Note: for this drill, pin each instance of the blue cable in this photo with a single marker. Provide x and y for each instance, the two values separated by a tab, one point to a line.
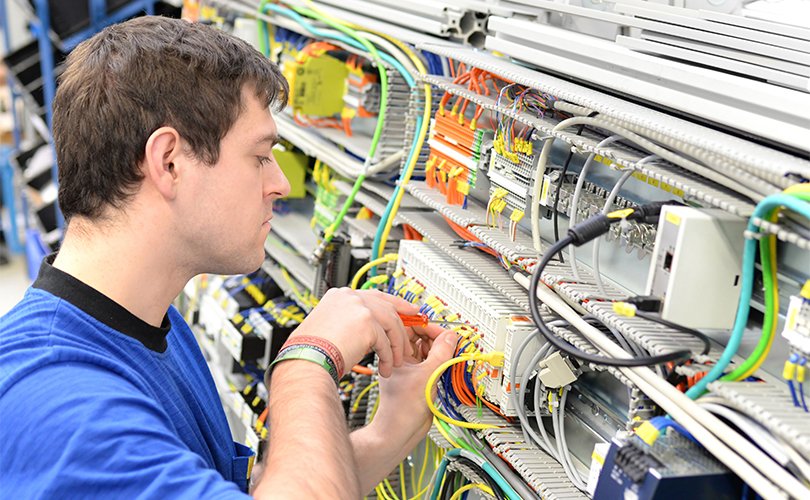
762	210
662	423
793	393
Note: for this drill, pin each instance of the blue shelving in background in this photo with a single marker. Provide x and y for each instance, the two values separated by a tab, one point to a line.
49	44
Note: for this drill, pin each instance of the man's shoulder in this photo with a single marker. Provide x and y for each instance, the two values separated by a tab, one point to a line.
42	330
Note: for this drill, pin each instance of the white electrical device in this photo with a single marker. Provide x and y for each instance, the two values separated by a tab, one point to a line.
695	266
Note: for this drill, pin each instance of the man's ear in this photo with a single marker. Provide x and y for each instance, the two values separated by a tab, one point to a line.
163	149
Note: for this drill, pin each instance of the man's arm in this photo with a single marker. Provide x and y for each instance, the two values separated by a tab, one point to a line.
309	452
403	418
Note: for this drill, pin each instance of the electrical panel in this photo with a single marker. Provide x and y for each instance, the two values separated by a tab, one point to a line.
697	250
480	138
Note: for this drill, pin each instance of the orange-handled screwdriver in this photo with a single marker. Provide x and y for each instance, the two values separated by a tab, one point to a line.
423	320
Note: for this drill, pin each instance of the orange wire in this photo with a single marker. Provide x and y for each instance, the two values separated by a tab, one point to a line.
362	370
466	235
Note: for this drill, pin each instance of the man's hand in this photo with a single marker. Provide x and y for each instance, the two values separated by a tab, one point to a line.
358	321
403	411
403	417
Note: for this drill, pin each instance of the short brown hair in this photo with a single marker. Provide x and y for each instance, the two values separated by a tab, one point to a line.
135	77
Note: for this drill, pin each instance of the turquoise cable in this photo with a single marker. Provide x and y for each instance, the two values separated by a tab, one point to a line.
375	247
329	232
393	62
488	468
406	75
749	256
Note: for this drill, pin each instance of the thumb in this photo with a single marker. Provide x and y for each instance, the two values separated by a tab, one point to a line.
442	349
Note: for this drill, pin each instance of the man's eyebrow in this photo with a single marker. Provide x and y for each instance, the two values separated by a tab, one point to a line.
269	138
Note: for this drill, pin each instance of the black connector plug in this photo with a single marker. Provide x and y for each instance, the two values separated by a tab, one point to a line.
650	212
646	303
590	229
597	225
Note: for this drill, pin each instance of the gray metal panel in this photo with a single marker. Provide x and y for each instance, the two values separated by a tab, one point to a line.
682	17
746	57
757	24
691	56
696	34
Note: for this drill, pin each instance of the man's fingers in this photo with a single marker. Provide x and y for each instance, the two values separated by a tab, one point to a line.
401	305
386	315
425	347
383	349
431	331
442	349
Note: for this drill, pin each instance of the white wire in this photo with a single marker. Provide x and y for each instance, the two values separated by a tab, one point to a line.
563	443
550	449
733	167
781	452
518	401
745	459
586	167
597	273
666	154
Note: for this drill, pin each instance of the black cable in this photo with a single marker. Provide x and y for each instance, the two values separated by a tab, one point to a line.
448	485
561	344
675	326
555	214
509	475
484	475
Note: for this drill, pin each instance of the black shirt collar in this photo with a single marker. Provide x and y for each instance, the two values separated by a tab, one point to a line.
100	307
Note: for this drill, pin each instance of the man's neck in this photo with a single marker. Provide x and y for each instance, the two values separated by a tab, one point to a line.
133	268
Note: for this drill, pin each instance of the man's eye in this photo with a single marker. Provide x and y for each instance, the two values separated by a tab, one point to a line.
264	160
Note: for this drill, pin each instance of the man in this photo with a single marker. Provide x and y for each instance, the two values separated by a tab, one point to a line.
164	141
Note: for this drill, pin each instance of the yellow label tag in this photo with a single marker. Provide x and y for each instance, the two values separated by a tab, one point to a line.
463	188
620	214
544	190
673	219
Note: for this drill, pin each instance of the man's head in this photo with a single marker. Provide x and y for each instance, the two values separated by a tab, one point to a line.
143	115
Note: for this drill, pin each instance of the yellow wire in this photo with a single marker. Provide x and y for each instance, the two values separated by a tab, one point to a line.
798	188
420	67
390	257
402	481
794	189
493	358
775	299
381	492
362	394
421	492
481	486
428	449
376	406
390	489
412	474
295	289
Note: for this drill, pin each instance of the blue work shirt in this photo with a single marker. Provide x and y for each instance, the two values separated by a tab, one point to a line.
94	402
